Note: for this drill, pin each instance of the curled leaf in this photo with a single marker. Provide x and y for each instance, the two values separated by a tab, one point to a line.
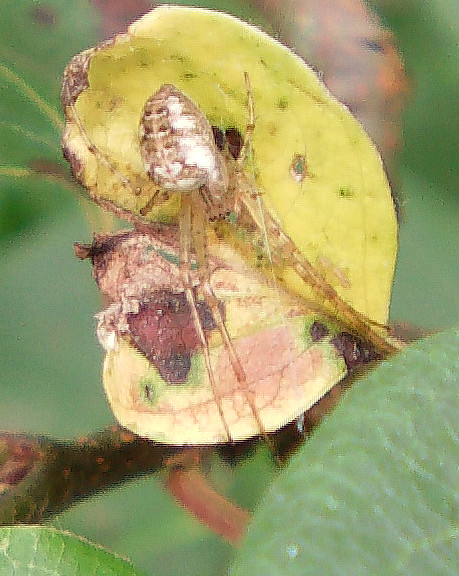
154	371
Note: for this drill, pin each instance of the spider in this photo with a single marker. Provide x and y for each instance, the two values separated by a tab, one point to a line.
180	153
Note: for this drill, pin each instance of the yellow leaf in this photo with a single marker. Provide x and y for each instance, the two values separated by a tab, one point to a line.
317	172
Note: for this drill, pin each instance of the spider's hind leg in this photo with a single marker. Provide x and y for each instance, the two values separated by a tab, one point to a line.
247	141
199	239
185	225
98	154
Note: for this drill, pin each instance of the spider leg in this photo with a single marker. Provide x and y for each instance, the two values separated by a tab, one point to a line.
247	142
199	223
325	291
248	195
101	157
242	185
151	203
185	227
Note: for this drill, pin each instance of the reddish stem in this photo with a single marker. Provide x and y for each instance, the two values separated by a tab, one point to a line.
193	492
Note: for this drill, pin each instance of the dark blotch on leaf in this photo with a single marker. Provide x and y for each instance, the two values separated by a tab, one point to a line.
345	192
353	350
175	368
164	331
298	168
234	141
282	103
219	137
177	57
231	138
318	331
44	15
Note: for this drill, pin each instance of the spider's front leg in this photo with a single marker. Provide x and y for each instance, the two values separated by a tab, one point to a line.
185	227
199	224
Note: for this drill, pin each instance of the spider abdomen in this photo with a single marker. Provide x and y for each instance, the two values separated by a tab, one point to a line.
178	147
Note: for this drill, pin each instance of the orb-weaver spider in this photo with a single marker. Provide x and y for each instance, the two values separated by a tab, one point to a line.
181	155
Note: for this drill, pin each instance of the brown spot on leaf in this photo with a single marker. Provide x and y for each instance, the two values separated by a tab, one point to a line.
354	351
318	331
234	141
298	168
219	137
346	192
164	331
45	15
282	103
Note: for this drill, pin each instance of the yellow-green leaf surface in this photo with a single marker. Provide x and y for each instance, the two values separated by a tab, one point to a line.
286	369
338	210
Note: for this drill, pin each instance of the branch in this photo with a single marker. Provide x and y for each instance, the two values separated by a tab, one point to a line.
40	477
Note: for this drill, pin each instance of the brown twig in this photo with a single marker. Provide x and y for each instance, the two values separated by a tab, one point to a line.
40	477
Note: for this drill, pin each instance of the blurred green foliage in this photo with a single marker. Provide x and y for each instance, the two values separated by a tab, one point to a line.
34	550
427	279
374	491
50	361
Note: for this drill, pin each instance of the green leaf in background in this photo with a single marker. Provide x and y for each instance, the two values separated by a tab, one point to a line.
49	356
375	491
42	551
35	43
427	274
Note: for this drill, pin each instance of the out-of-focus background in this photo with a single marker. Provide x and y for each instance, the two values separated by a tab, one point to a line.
49	359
